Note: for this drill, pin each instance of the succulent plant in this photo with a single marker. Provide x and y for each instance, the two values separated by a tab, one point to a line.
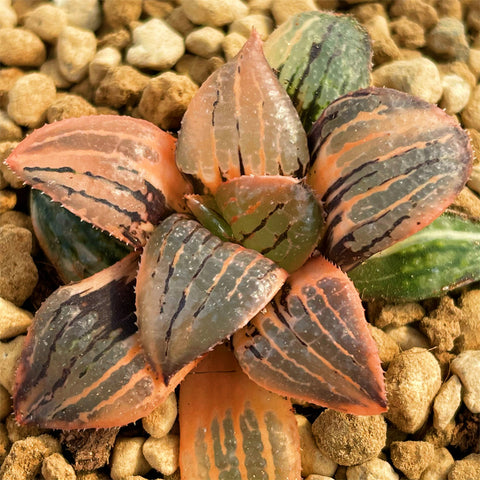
240	230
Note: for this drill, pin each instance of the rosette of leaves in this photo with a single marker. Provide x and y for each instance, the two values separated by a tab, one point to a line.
241	230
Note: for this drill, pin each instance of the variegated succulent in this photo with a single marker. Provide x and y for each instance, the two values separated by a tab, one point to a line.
242	230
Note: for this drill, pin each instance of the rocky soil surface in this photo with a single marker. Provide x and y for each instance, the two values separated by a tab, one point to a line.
67	58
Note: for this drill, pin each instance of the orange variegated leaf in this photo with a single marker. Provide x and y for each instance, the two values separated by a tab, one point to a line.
312	343
82	365
385	165
231	428
241	122
115	172
193	291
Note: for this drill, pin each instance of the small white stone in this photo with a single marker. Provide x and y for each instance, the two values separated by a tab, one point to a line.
147	37
8	17
214	13
205	42
47	21
127	458
105	59
76	48
162	453
467	367
373	469
447	402
13	320
456	93
82	13
261	23
407	337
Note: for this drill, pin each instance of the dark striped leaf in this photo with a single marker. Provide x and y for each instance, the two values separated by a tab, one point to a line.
115	172
241	122
319	57
232	429
75	248
82	365
312	343
277	216
385	165
193	291
439	258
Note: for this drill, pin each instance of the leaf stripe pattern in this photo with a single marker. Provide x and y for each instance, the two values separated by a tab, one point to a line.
241	122
312	343
118	173
241	432
385	165
193	291
83	367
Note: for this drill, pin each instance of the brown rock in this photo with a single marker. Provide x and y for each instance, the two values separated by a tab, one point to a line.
466	469
8	77
69	106
397	315
407	33
412	457
387	347
198	68
469	338
119	13
384	48
415	10
20	47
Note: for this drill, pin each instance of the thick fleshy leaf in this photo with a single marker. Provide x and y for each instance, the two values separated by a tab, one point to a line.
115	172
277	216
385	165
312	343
439	258
319	57
193	291
230	428
241	122
82	365
75	248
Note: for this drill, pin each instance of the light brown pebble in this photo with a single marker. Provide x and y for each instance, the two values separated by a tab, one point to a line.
313	461
25	458
85	14
411	457
76	48
205	41
119	13
105	60
232	44
8	200
314	476
384	48
4	443
407	33
47	21
166	98
118	39
263	25
413	379
282	10
407	337
471	113
162	453
157	8
387	346
160	421
55	467
447	40
349	439
399	314
13	320
52	69
416	10
440	465
365	11
466	469
440	438
5	403
144	53
376	468
214	13
127	458
456	93
17	431
69	106
469	338
21	48
467	367
259	6
8	77
85	89
11	178
473	16
474	61
198	68
123	85
9	130
9	355
29	99
450	8
179	21
457	68
8	17
95	475
447	402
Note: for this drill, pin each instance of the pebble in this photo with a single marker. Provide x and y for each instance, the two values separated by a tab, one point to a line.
13	320
261	6
232	44
447	40
474	62
123	85
407	337
52	69
47	21
160	421
144	53
120	13
8	17
127	458
104	60
261	23
313	461
18	273
29	99
4	443
407	33
450	8
118	39
416	10
467	367
157	8
447	402
68	106
413	379
456	93
21	48
166	98
179	21
471	113
76	48
397	315
365	11
8	200
458	68
384	48
466	469
55	467
21	432
282	10
440	465
198	68
8	77
469	338
81	13
205	42
5	406
374	469
349	439
7	175
9	355
9	130
162	453
214	13
387	346
318	477
411	457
